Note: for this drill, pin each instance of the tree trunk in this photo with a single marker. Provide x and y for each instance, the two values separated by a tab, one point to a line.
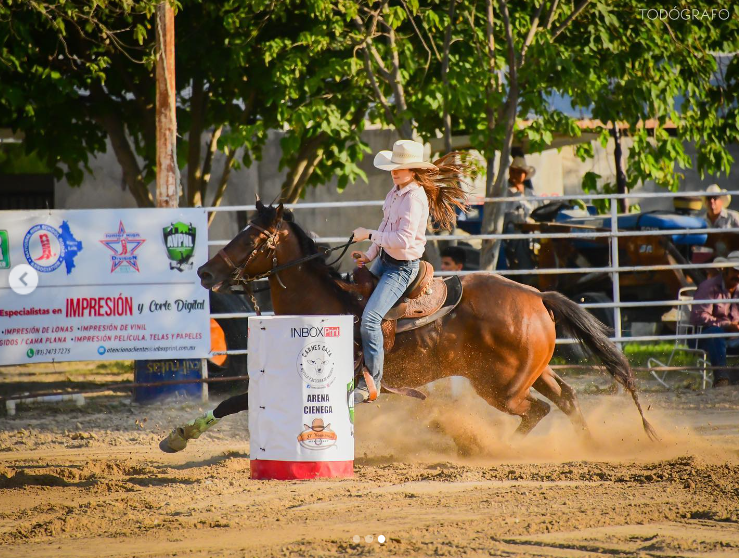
494	212
197	110
407	127
167	170
204	178
623	205
126	157
210	154
301	170
222	183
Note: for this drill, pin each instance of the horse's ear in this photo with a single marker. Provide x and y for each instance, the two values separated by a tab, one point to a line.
260	205
280	211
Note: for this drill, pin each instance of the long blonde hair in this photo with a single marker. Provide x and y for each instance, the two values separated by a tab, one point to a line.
447	187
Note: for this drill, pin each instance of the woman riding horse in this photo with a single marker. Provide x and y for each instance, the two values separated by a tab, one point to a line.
419	188
501	335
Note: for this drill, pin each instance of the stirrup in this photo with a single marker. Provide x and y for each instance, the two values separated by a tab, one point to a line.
371	387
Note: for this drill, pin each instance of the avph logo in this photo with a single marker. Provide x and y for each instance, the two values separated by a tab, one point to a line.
46	248
123	245
317	436
314	332
4	250
179	239
316	365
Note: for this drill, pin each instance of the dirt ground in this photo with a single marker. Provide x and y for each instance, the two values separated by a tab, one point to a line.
436	478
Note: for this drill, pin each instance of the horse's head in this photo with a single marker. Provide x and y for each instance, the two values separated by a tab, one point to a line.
250	253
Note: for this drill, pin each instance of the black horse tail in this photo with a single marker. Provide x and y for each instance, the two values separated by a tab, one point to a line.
594	335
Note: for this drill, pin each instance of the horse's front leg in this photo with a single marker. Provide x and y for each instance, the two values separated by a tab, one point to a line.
178	438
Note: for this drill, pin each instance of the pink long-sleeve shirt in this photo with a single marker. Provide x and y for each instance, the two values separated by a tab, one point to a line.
402	232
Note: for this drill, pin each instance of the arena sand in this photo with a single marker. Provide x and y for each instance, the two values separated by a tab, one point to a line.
442	477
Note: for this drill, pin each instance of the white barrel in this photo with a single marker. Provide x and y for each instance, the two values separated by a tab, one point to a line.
301	396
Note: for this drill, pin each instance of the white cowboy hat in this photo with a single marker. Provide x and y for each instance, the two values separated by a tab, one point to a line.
406	154
714	190
732	259
520	163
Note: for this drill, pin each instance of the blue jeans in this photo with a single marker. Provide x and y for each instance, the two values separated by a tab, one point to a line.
394	280
716	349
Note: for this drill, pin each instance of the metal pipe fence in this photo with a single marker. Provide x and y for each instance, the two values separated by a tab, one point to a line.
614	269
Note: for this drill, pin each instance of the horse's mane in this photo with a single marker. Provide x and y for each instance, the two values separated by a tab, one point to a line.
318	266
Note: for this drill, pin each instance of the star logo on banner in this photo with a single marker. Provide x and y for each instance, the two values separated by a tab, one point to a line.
123	245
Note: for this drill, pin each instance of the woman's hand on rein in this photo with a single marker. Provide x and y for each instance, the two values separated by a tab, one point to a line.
360	259
361	234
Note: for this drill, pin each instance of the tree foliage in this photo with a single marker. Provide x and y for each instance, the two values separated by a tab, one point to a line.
73	73
508	60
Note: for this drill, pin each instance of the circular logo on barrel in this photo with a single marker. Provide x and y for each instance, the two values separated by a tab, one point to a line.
316	365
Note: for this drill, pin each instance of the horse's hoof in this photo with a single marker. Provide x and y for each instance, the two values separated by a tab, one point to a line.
173	443
164	446
361	395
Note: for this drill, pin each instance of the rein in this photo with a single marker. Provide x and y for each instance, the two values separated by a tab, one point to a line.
270	246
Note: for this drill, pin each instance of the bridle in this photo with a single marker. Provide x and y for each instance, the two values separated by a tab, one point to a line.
269	246
237	272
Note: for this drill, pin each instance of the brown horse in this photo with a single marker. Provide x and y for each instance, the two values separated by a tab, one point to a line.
501	336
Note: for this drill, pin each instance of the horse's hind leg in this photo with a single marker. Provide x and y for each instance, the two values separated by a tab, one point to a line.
523	404
563	396
537	410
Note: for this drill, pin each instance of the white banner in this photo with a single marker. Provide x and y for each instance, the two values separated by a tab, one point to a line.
110	284
301	391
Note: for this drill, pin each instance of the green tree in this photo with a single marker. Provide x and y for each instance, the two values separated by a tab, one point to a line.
480	67
52	56
621	67
72	75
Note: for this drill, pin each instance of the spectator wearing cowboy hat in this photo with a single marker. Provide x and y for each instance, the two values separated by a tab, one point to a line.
718	216
517	252
518	174
721	316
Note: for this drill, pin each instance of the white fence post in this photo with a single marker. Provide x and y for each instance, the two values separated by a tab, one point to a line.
615	274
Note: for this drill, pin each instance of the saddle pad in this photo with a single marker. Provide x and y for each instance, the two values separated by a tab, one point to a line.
452	288
424	305
453	296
